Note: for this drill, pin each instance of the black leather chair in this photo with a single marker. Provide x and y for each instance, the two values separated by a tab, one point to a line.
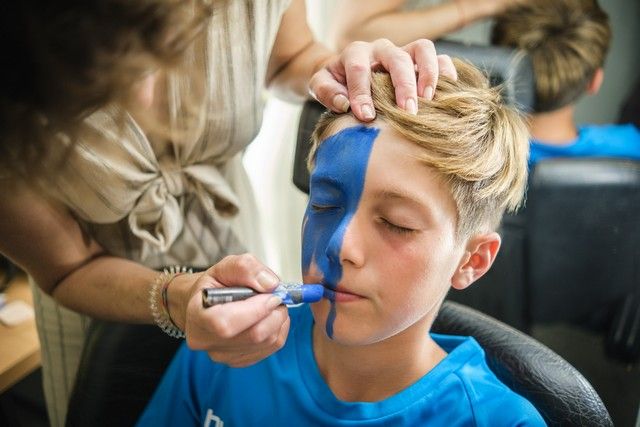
574	252
583	248
120	368
559	392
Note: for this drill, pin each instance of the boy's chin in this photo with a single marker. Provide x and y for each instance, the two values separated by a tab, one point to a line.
343	330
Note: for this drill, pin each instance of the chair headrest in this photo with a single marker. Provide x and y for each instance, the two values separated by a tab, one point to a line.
311	112
504	66
586	209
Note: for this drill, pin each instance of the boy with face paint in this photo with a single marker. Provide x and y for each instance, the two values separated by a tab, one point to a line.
400	210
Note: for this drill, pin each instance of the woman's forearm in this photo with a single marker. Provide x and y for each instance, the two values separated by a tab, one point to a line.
43	238
405	26
296	56
109	288
291	82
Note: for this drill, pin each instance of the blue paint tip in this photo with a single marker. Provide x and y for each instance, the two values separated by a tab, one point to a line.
296	293
312	293
329	294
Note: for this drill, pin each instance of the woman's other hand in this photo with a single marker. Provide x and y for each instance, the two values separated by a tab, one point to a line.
345	80
240	333
300	65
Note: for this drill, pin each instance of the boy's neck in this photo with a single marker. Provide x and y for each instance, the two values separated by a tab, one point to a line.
554	127
377	371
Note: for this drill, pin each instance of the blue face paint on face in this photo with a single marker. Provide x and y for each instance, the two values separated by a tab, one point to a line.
336	185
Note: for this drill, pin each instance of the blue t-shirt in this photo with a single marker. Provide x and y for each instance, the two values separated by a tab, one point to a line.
592	141
287	389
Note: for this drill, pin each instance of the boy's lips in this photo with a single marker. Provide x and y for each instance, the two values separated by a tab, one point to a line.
340	294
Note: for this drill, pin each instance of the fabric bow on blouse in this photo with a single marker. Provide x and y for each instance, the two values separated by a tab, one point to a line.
120	176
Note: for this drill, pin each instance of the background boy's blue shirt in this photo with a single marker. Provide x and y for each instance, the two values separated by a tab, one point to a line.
593	141
287	388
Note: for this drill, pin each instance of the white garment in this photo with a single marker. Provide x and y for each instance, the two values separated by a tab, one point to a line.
191	205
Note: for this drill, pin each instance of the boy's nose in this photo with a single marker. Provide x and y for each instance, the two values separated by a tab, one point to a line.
345	245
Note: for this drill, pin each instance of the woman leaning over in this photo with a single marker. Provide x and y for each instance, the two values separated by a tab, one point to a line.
122	124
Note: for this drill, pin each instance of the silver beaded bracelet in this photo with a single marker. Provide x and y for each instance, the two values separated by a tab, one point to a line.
159	303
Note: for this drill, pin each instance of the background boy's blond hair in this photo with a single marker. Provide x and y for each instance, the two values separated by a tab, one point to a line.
567	41
469	135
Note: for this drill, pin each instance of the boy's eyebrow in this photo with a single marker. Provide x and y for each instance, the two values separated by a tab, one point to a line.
398	194
422	204
320	179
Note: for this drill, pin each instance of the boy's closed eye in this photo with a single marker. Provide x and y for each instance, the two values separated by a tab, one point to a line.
322	207
395	228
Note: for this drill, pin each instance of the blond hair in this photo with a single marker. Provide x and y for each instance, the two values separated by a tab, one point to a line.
469	136
567	41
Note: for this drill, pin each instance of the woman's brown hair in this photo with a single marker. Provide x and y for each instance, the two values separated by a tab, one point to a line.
65	59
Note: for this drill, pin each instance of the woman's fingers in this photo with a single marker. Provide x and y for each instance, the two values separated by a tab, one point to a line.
242	332
400	65
424	55
346	80
246	357
244	270
446	67
356	67
327	90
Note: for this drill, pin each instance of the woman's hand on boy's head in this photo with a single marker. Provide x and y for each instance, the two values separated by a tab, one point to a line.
238	333
345	81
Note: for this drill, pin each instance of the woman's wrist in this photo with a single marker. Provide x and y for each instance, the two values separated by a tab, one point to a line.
178	296
162	305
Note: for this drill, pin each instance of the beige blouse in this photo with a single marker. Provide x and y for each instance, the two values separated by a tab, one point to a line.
191	205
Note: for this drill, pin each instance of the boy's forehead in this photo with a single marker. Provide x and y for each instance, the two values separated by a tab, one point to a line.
344	155
348	121
347	135
389	165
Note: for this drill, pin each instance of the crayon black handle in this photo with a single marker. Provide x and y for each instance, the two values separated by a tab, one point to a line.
214	296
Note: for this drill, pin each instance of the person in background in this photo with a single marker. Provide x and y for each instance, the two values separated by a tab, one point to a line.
122	126
567	41
400	211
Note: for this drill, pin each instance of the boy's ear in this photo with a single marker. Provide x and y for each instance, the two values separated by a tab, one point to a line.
596	81
479	255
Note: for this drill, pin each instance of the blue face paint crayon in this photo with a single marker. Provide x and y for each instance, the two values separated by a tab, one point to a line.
335	188
290	293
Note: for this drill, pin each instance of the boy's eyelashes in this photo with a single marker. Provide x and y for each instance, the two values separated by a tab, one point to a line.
323	208
396	228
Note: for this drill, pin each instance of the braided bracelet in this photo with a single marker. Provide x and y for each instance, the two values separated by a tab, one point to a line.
159	304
